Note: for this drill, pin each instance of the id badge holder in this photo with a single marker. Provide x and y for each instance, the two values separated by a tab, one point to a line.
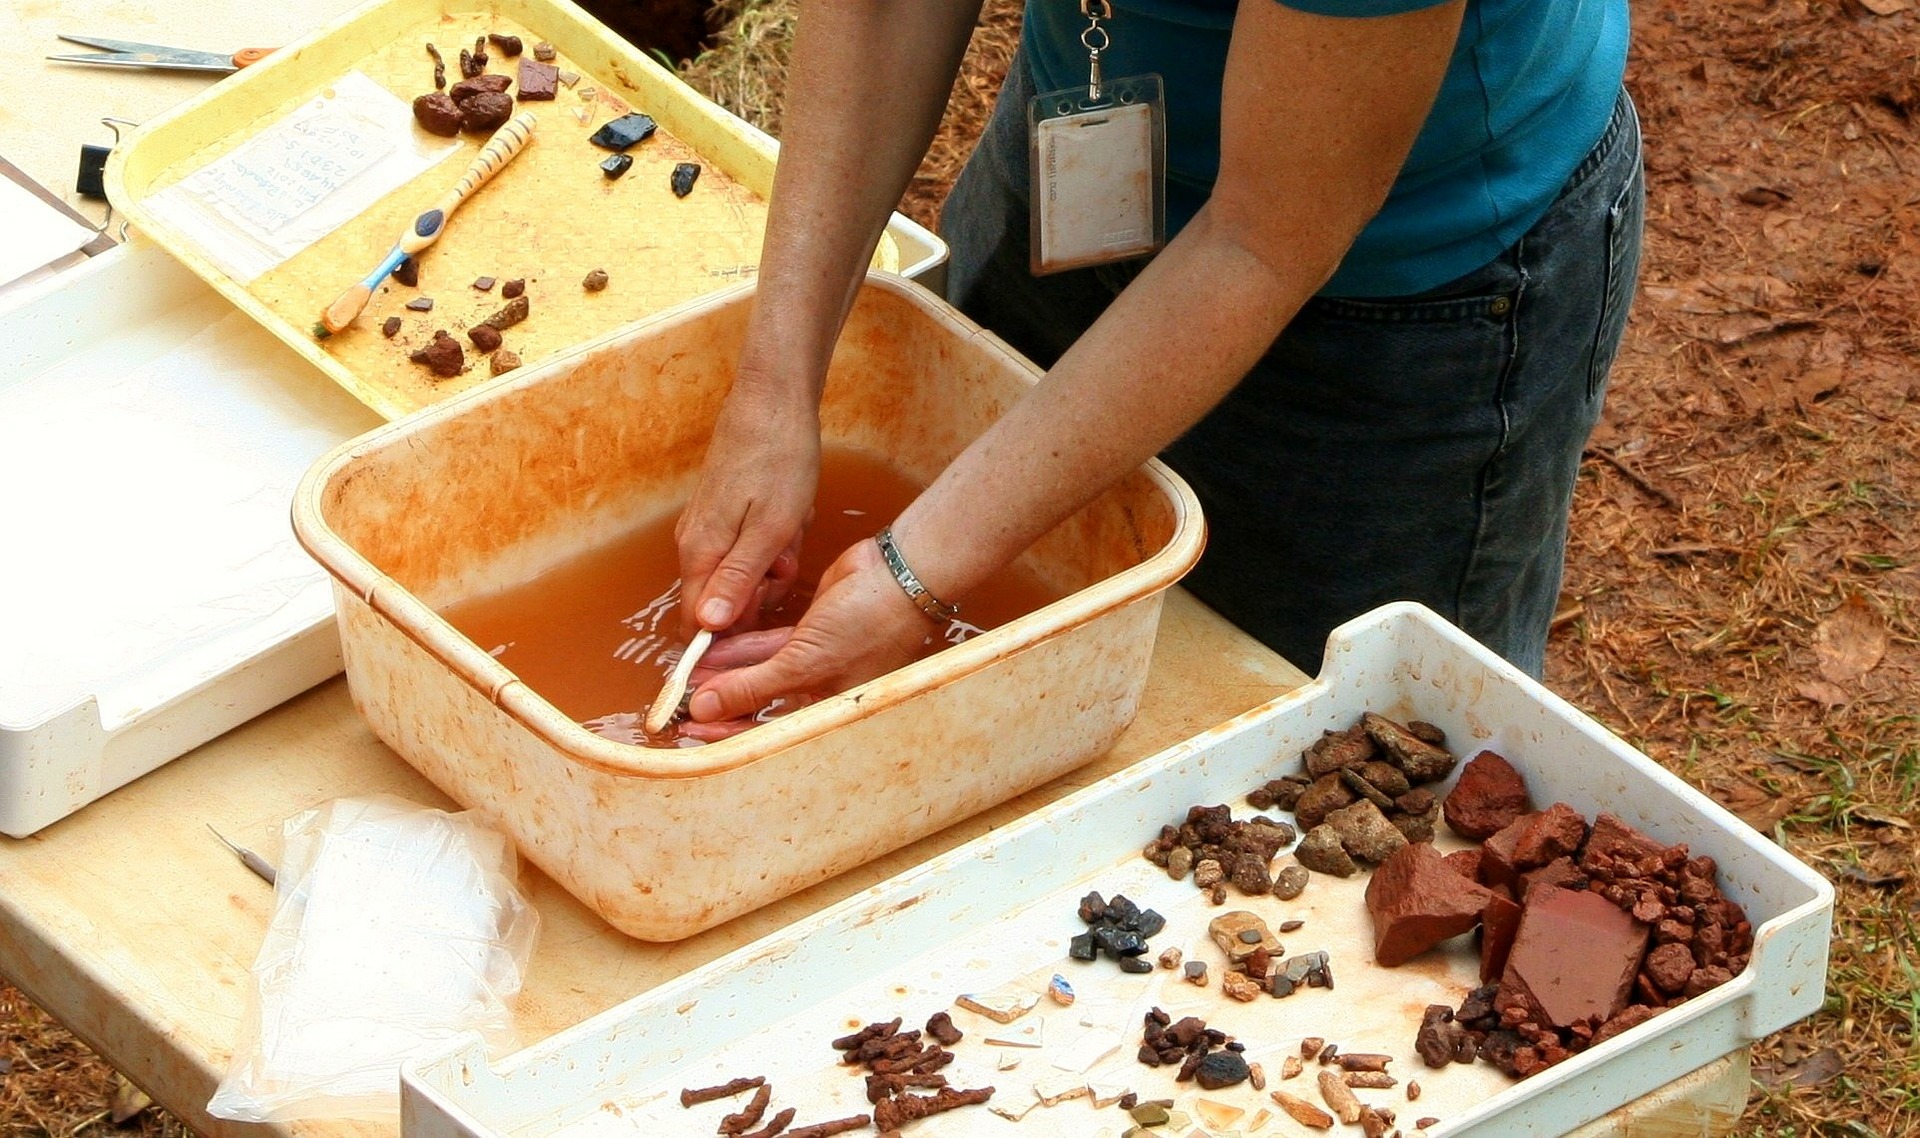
1098	156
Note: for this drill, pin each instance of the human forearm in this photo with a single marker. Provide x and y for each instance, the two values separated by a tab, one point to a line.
867	85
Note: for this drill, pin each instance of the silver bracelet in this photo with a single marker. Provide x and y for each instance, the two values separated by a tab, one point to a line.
933	606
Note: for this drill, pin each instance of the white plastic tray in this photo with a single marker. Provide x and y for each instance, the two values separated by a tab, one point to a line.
1001	907
152	595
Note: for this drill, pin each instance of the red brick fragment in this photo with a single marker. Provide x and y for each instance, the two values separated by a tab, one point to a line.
1498	924
1416	901
1575	957
1553	833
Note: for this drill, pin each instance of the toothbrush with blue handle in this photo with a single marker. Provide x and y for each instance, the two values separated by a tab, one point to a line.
509	140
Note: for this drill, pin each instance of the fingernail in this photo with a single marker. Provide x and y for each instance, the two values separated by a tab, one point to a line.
716	613
705	706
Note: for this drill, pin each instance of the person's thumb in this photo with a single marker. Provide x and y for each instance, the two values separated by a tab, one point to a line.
744	691
729	592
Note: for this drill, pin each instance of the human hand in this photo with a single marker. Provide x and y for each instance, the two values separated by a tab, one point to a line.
739	536
860	625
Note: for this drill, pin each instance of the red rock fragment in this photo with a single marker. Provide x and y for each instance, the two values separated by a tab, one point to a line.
1553	833
1574	958
1560	872
1632	1016
1498	925
538	81
1416	901
1496	854
1486	800
1466	863
1613	839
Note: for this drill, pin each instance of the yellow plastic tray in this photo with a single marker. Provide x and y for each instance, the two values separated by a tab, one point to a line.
550	216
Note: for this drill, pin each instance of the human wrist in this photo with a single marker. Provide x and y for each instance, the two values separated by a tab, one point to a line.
935	608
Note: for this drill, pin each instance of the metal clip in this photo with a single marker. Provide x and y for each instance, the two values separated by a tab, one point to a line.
1096	40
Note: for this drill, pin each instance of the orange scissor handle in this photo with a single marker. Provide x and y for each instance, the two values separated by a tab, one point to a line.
250	55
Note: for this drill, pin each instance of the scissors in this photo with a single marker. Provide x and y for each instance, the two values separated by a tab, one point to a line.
122	53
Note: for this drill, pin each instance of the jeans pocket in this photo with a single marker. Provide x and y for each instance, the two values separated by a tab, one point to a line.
1625	217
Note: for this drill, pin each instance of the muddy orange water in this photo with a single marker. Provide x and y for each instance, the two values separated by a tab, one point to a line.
596	635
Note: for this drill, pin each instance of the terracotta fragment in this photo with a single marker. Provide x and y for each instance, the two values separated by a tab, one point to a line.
1574	958
1416	902
1499	922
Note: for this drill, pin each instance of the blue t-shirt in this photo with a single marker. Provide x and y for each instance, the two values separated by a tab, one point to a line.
1527	94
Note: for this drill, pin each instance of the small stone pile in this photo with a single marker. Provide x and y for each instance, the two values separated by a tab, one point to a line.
1118	928
1364	794
1216	850
1191	1043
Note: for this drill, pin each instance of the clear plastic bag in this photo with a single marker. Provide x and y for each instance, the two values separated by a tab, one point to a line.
396	929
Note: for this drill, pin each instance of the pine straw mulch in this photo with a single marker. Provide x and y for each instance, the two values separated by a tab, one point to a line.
1743	586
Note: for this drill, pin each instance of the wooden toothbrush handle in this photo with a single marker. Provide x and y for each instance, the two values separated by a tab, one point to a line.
509	140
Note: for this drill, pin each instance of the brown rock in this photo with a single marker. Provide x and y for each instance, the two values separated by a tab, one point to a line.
1322	852
513	312
1419	800
1670	966
1327	794
503	361
485	111
1290	882
437	113
1632	1016
1555	832
1249	875
479	85
444	356
1498	924
1416	901
1706	979
1337	750
1488	797
1496	854
484	336
595	280
1417	827
1390	780
1420	760
1365	832
1574	958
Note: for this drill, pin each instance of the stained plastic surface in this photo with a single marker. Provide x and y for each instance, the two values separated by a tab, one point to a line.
396	930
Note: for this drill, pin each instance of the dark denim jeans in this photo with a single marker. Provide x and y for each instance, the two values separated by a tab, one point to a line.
1412	448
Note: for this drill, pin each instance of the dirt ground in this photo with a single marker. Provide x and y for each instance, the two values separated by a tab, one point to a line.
1743	588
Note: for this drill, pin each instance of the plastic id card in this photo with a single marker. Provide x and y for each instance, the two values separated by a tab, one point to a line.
1099	173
